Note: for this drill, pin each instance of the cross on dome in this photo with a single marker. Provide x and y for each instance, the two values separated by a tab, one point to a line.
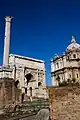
73	40
73	44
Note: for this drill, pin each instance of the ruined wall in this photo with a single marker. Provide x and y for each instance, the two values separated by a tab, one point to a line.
64	103
5	93
9	94
1	95
18	95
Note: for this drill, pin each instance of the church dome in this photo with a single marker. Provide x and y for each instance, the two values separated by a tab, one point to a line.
73	44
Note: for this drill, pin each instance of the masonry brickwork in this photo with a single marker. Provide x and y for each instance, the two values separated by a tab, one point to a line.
9	94
64	103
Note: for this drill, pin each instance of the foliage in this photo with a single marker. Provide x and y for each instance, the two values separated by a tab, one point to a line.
69	82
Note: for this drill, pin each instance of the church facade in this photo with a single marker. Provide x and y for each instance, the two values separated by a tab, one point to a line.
66	68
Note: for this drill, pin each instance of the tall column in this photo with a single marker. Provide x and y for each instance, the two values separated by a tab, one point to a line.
6	41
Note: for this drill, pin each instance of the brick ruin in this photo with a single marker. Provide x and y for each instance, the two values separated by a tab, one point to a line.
64	102
9	94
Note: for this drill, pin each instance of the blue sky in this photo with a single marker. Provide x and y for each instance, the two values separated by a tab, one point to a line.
40	28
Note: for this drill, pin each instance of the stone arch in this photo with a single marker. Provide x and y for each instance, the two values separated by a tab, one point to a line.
30	91
39	84
28	77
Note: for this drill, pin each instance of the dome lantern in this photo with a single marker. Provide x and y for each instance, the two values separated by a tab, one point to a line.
73	44
73	40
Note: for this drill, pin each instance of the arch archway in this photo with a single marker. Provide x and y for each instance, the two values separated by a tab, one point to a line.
30	91
28	77
39	84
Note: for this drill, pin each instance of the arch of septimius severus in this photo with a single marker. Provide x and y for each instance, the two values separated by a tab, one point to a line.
20	75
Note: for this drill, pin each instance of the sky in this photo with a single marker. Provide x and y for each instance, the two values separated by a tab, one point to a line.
40	28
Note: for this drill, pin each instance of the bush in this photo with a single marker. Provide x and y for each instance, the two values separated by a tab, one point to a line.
64	83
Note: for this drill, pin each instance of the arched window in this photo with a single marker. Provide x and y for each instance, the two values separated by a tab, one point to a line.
74	55
30	91
61	64
77	75
57	65
67	58
39	84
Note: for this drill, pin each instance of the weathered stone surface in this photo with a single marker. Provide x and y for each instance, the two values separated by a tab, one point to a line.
29	72
9	95
25	111
43	114
64	103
